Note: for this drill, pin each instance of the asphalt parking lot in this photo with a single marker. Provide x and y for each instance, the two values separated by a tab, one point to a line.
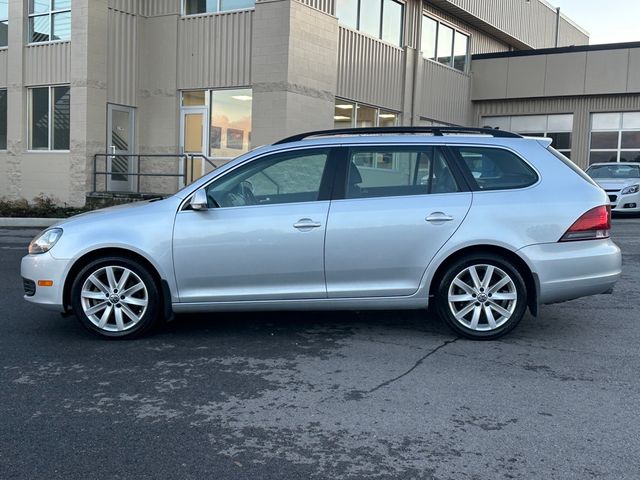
323	395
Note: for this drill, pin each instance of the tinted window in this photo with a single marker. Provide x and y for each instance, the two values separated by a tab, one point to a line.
496	168
392	171
614	171
280	178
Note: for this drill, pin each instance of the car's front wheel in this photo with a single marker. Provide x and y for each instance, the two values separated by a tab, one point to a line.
482	296
115	297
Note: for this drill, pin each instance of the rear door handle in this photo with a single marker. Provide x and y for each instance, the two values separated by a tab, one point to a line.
438	217
306	224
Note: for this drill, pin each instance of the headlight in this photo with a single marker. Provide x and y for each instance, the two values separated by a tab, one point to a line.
631	189
45	241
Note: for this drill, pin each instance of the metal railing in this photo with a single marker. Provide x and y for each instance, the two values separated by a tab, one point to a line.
184	165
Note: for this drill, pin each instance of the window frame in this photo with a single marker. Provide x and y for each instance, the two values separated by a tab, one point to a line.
403	6
6	118
50	13
354	110
456	30
620	129
50	122
183	10
6	21
471	181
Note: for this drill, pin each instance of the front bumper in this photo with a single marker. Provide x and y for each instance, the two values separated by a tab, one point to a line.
568	270
44	267
629	203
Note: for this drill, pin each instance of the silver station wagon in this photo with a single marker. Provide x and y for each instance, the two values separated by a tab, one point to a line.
482	224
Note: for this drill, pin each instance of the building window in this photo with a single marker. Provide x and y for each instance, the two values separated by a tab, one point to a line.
444	44
3	119
615	137
4	22
556	127
49	109
49	20
350	114
382	19
197	7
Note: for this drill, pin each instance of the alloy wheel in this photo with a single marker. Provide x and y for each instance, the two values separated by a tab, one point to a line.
482	297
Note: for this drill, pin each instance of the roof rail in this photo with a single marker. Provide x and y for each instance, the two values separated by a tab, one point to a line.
436	131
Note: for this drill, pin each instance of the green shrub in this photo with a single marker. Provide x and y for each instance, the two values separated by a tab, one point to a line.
41	206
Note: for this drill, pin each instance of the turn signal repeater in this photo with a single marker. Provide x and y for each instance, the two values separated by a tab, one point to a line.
593	225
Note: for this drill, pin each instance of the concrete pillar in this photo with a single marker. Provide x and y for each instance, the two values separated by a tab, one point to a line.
16	99
88	92
294	69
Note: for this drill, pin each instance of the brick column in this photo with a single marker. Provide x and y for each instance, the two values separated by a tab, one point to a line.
294	69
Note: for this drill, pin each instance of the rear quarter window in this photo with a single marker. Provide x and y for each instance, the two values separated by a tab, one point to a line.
495	168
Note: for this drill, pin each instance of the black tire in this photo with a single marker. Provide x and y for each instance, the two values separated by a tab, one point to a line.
138	274
483	331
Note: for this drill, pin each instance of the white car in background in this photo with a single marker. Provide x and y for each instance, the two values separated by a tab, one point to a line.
621	181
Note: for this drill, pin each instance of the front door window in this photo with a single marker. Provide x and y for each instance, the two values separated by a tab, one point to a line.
121	164
193	140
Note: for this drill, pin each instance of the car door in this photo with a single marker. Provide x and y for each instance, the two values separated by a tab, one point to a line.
399	206
262	237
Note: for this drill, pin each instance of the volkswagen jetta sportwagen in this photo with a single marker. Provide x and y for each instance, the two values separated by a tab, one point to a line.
476	221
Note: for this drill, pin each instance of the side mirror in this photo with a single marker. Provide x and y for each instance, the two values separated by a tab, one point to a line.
199	200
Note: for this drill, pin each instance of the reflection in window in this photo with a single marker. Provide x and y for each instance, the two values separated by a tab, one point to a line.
557	127
349	114
382	19
4	22
444	43
49	118
195	7
615	137
49	20
230	133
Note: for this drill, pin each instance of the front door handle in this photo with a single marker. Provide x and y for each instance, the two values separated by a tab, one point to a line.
439	217
306	224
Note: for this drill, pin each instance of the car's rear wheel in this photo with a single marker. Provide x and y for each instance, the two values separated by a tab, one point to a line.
482	296
115	297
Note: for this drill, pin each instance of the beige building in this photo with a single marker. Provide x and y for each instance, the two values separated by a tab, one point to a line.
101	97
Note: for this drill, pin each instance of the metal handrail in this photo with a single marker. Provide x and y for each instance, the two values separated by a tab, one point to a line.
182	176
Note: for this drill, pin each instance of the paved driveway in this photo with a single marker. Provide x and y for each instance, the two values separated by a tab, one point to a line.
323	395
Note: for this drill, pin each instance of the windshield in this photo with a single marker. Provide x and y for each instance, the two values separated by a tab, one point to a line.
614	171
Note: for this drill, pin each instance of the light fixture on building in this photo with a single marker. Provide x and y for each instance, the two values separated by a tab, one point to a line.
387	115
242	98
345	106
341	118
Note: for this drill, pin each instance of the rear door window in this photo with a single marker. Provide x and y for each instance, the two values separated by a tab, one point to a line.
397	171
496	168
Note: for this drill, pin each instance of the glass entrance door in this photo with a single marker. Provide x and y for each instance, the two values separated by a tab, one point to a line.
194	139
120	144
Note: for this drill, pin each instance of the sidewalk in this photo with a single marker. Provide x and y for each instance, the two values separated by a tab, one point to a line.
20	222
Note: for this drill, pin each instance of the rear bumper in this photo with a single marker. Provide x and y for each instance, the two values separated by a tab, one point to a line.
571	270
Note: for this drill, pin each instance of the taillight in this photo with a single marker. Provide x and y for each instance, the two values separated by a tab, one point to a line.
594	224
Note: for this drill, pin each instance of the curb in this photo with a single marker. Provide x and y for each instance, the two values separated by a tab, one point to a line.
28	222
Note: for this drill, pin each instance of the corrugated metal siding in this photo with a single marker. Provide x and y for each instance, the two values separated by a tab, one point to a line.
327	6
532	22
369	70
47	64
580	107
128	6
122	58
3	67
156	8
481	42
215	50
446	94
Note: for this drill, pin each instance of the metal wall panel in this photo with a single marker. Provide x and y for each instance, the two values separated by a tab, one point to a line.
327	6
369	71
533	23
157	8
3	67
215	50
445	94
122	58
128	6
580	107
47	64
481	42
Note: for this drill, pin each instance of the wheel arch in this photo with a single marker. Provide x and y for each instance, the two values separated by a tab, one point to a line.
92	255
530	278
